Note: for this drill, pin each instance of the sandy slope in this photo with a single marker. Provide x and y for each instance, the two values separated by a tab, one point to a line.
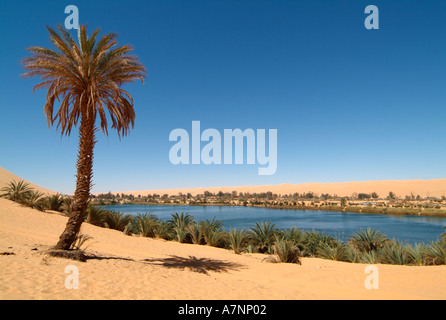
435	187
6	177
143	268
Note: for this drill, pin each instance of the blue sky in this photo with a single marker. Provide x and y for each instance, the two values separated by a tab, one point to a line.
349	104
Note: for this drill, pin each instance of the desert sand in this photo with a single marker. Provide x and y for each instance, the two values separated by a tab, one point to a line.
7	176
132	267
434	188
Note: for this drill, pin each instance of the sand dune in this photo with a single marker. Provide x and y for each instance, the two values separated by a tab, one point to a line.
6	177
435	188
130	267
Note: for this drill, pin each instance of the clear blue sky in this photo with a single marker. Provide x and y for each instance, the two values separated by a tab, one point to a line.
349	104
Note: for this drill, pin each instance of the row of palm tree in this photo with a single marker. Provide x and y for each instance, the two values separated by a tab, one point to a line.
21	192
365	246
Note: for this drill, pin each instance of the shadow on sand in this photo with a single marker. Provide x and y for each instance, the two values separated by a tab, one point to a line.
200	265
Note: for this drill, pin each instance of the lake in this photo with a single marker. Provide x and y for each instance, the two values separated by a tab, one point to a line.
411	229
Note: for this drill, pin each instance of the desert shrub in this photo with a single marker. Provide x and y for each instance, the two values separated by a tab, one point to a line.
263	235
416	254
337	252
293	234
368	240
117	220
66	205
54	202
80	240
96	215
179	224
286	250
435	253
163	230
368	257
194	230
312	241
394	253
144	224
17	191
212	232
35	200
237	240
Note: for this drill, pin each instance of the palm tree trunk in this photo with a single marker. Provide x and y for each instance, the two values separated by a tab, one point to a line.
84	176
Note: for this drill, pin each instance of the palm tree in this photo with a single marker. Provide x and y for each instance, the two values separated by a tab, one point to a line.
17	191
368	240
263	235
86	78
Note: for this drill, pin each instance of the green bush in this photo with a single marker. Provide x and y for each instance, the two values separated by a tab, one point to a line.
96	215
212	232
337	252
145	224
17	191
117	220
394	253
312	241
179	224
237	239
368	240
263	235
435	253
54	202
286	251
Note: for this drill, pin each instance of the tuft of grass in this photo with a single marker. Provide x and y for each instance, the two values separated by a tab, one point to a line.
263	235
76	251
286	251
194	230
435	253
35	200
81	239
337	252
312	241
54	202
212	232
368	240
66	206
96	215
17	191
370	257
394	253
145	224
180	224
163	230
237	240
117	220
416	254
293	234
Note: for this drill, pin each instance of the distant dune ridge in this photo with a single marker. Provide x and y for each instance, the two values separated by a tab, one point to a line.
434	188
6	177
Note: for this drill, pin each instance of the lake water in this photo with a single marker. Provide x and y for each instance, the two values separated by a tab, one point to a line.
411	229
